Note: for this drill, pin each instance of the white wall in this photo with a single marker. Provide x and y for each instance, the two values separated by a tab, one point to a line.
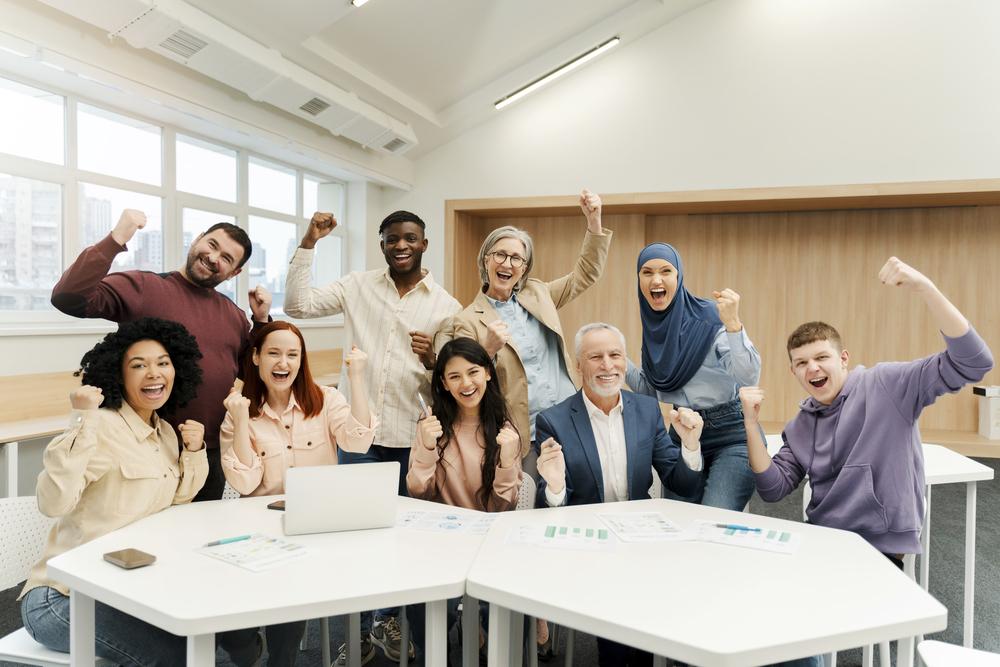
741	94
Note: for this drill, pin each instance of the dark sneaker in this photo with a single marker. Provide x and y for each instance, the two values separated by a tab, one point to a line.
367	653
387	636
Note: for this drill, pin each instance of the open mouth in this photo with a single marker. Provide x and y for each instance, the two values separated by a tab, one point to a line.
504	275
469	393
280	376
819	383
154	391
402	257
608	379
208	267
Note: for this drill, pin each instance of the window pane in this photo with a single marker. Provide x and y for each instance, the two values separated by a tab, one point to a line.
117	145
30	242
206	169
195	222
274	243
310	196
32	122
100	208
272	186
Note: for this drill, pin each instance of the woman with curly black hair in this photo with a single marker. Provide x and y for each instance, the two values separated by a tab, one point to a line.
117	463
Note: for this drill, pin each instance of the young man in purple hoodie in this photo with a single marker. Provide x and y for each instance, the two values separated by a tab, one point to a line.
856	436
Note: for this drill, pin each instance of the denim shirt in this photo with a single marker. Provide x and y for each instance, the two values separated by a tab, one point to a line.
732	362
538	348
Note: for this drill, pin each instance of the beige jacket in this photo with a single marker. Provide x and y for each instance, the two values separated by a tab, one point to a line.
542	300
109	469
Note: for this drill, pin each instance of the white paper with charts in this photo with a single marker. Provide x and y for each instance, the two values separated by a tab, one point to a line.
258	553
472	523
644	527
765	539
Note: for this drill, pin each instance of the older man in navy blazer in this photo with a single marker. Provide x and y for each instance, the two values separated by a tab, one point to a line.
601	445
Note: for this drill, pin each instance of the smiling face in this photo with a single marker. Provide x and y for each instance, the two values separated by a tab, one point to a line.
601	363
658	282
504	277
147	377
466	382
821	369
403	245
213	259
278	360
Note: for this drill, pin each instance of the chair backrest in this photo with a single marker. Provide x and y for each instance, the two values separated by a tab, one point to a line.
526	494
24	531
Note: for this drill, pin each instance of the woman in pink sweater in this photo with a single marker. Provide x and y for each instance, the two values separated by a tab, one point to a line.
466	453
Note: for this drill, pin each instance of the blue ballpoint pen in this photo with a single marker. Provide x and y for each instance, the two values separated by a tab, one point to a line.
228	540
733	526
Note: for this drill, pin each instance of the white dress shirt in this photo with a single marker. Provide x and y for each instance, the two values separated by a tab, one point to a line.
609	434
379	322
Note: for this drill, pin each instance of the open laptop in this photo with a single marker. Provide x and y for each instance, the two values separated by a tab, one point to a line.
326	499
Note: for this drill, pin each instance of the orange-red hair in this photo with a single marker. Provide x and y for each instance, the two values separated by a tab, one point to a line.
307	393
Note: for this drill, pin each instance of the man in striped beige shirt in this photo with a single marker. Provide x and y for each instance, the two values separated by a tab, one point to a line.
393	314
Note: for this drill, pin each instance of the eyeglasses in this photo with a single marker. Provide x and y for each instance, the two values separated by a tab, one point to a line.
516	261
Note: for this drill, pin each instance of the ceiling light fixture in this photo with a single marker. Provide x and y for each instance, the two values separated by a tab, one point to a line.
358	3
557	72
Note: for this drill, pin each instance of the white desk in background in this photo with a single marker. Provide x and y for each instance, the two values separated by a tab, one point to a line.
195	596
14	432
706	604
943	466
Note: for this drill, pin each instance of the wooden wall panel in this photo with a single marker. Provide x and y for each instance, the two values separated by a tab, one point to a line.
795	267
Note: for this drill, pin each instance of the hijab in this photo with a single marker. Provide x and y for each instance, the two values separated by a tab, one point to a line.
676	340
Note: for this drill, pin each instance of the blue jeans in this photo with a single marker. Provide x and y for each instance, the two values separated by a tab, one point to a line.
379	454
727	481
121	638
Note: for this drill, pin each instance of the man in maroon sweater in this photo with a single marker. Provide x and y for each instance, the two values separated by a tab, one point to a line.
187	296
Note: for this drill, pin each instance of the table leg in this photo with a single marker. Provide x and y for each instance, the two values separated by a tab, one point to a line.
201	650
498	638
925	540
470	631
354	640
904	656
516	638
435	635
404	632
81	629
968	616
10	459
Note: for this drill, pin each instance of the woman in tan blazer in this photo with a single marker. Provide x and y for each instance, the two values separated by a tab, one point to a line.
516	319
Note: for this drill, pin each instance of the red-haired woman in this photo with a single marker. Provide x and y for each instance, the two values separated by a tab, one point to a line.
283	418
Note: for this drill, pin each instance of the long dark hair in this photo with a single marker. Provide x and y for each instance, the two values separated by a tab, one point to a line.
307	393
493	413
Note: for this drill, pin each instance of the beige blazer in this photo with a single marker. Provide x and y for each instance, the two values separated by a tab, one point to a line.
542	300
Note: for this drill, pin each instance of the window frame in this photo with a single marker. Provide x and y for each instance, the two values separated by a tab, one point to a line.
69	177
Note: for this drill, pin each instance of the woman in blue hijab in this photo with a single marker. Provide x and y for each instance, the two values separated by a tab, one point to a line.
696	354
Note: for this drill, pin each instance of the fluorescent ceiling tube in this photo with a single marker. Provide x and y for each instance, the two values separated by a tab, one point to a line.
358	3
557	72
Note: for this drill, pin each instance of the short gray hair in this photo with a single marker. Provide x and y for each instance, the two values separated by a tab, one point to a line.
594	326
494	237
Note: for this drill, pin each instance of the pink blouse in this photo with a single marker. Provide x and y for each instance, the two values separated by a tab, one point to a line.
282	441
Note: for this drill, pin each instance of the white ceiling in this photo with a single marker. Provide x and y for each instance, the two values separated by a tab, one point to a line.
438	64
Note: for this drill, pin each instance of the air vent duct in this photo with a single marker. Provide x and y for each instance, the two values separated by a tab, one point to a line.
185	34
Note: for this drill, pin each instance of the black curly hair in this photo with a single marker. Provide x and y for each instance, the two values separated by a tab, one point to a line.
101	367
